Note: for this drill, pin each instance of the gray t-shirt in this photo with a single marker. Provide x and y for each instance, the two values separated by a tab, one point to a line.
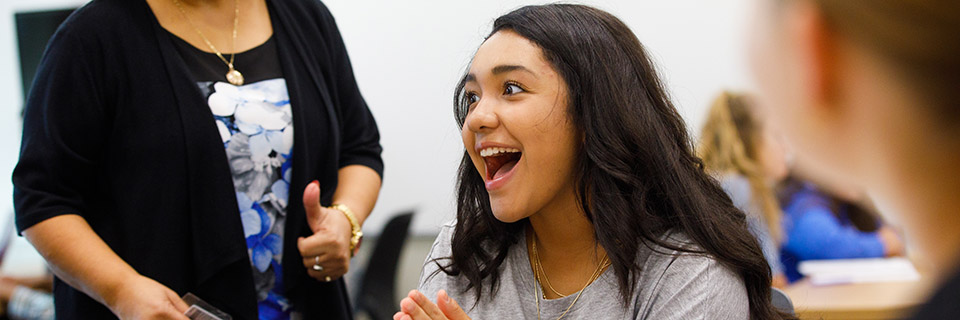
670	286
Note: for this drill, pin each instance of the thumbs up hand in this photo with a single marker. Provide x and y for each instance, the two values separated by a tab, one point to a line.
326	253
311	203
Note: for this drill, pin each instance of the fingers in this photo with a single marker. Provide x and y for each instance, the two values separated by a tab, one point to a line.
178	304
428	307
174	315
322	244
326	275
167	312
328	247
311	203
334	262
328	266
328	262
175	306
416	306
328	271
451	309
410	307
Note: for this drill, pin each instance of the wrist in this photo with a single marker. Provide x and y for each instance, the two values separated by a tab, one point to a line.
111	290
356	233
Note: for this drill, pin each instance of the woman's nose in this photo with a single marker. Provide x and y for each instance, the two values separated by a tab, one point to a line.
483	117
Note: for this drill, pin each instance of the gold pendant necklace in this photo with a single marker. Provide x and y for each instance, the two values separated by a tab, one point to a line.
233	76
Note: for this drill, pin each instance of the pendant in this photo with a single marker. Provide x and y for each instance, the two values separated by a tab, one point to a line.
235	77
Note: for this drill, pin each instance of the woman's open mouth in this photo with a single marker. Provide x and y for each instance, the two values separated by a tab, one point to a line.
500	163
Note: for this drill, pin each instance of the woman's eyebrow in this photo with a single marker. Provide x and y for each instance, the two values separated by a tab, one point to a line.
507	68
470	77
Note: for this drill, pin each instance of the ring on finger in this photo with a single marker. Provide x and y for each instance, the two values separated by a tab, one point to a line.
316	264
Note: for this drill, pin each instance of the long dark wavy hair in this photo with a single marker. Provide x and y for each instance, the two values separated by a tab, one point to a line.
637	175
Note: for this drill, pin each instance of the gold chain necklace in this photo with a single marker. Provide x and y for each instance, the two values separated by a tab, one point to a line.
538	268
233	76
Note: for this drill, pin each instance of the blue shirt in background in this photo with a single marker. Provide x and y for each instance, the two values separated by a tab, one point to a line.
814	232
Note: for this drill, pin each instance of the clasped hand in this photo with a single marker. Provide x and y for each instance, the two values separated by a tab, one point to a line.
416	306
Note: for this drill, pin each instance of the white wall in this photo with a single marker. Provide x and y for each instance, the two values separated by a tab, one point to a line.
11	89
21	259
409	54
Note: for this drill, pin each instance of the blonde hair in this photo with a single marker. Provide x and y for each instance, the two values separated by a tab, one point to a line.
729	143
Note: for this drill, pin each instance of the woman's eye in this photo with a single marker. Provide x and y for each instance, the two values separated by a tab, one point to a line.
472	98
512	88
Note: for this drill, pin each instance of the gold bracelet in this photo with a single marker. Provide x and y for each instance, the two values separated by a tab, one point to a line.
356	233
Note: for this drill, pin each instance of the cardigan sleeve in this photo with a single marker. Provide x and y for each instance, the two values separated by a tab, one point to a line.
63	133
360	136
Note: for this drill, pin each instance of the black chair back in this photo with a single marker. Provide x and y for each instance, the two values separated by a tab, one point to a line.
781	301
377	285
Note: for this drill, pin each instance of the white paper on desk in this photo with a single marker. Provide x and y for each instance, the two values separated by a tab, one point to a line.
827	272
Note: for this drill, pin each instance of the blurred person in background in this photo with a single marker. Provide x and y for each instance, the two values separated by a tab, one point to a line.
23	297
747	156
868	91
831	222
26	298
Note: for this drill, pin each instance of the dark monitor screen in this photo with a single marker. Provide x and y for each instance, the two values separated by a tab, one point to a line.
34	30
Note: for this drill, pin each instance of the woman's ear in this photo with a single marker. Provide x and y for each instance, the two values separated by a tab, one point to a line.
817	52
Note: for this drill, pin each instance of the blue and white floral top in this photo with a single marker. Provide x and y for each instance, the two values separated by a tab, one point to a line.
255	123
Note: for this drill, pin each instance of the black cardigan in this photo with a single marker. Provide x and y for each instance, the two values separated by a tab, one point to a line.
116	131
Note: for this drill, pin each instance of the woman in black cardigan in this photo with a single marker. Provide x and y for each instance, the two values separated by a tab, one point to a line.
139	188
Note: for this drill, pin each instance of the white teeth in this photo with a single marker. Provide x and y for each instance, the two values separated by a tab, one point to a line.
487	152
